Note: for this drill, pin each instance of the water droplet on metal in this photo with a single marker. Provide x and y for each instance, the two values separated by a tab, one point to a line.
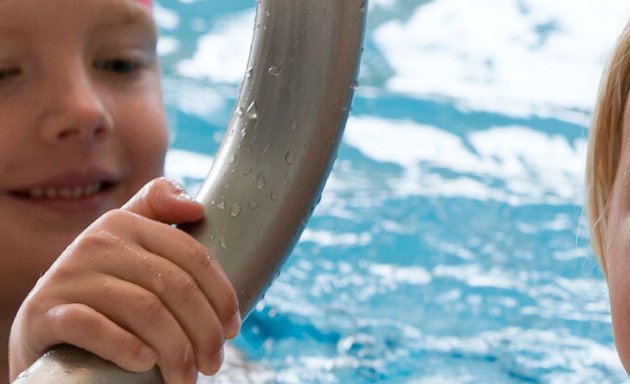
295	125
240	112
221	205
252	111
247	172
274	196
235	210
223	243
232	158
249	72
267	148
354	85
289	158
260	181
253	204
274	71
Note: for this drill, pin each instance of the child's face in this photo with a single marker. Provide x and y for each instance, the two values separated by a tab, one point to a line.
617	243
82	126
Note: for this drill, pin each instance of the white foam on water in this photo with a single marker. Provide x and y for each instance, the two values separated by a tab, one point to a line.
518	57
181	164
476	276
511	164
165	18
526	353
393	276
221	55
335	239
167	45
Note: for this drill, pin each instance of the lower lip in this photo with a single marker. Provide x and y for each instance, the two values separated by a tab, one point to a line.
92	205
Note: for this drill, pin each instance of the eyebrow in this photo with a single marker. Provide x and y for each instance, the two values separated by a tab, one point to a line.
125	13
120	14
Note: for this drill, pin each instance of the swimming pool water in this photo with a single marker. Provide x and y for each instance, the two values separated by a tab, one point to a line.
450	245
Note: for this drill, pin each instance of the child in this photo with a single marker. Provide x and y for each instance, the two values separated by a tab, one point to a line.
82	129
608	189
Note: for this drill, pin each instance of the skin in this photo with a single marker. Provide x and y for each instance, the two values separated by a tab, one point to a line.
618	245
82	129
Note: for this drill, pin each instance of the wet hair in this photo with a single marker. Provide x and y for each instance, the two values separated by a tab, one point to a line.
605	140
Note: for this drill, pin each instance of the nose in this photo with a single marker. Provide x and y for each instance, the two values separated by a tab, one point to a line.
74	109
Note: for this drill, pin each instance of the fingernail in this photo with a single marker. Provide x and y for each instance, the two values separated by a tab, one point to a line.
183	195
148	356
180	192
216	361
193	374
233	326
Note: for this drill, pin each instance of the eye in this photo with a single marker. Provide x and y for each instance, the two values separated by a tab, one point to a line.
120	66
6	73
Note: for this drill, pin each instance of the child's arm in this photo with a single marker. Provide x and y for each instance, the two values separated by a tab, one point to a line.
134	290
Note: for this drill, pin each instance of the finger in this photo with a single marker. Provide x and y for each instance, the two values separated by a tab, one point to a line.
82	326
183	297
166	201
187	253
148	318
187	280
180	249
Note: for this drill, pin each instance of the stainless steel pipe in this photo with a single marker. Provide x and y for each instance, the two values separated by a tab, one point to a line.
272	164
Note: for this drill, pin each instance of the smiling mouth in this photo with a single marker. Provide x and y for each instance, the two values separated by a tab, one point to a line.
63	193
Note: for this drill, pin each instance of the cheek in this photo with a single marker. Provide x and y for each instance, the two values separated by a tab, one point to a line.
146	147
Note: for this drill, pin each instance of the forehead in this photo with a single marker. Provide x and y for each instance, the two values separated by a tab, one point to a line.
41	15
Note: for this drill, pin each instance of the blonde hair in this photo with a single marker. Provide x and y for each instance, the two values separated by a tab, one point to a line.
605	141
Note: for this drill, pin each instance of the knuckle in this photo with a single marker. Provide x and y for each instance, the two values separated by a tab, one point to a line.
73	321
179	357
151	307
33	306
125	346
87	246
99	240
229	304
112	216
199	255
230	307
212	343
118	218
186	287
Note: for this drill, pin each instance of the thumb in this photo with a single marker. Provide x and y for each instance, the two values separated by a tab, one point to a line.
166	201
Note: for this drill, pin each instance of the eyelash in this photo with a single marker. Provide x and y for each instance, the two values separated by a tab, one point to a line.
123	67
118	67
9	72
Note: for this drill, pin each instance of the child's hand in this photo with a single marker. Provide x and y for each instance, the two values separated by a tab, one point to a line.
134	290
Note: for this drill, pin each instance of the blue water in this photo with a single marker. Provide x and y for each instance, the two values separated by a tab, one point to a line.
450	245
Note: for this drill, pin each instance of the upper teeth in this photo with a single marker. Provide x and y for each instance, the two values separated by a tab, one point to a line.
65	192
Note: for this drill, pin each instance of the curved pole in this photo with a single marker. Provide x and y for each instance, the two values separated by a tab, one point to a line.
272	165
